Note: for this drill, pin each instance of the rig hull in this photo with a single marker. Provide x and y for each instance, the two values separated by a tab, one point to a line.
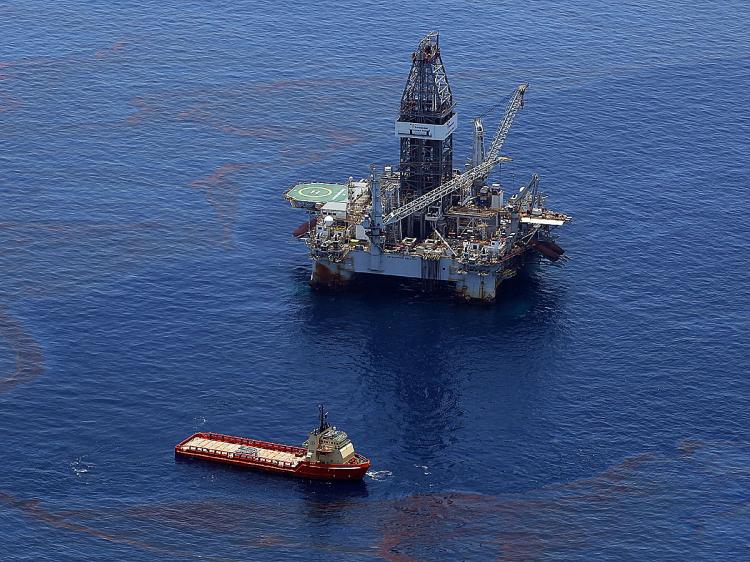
469	282
288	460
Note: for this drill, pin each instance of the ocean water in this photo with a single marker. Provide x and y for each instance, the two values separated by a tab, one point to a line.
150	286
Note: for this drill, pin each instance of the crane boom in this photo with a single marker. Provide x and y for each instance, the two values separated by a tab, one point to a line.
478	172
528	193
514	106
438	193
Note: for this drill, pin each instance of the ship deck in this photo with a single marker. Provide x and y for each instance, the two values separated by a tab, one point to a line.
244	449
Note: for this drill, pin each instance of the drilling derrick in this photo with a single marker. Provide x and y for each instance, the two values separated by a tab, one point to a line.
425	128
425	221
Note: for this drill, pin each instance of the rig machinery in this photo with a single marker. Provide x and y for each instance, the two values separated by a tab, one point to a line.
426	220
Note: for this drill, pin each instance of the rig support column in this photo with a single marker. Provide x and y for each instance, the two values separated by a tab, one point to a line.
478	286
376	228
330	275
376	222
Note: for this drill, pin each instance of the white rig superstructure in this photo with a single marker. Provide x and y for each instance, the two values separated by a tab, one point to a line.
426	220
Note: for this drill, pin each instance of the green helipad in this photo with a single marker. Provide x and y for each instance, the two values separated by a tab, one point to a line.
318	192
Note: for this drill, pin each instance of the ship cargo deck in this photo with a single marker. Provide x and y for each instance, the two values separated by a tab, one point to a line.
242	449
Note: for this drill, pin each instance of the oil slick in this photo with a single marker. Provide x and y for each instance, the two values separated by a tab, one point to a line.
559	518
29	361
222	193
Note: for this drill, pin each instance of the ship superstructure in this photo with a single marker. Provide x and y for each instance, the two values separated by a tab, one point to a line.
327	444
424	219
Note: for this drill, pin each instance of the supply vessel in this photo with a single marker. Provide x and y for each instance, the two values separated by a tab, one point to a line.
424	219
328	453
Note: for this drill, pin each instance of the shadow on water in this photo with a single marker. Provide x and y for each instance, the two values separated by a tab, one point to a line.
416	352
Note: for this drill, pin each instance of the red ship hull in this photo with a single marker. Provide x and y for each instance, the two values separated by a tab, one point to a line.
266	456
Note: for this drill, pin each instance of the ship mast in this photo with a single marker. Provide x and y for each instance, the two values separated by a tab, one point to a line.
323	419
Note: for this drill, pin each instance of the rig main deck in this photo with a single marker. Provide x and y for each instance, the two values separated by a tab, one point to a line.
427	220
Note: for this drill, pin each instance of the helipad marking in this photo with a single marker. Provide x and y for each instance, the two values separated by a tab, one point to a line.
315	192
319	192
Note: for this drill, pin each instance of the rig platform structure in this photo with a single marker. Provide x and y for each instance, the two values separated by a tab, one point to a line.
424	219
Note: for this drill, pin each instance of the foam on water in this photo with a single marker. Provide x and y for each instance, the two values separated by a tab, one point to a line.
379	474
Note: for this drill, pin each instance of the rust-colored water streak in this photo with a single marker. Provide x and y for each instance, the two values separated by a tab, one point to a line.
33	509
29	363
428	526
222	193
107	51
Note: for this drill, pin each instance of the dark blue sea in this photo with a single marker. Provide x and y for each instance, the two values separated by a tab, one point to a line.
150	286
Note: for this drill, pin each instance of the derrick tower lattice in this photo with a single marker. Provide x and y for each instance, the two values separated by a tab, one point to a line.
425	125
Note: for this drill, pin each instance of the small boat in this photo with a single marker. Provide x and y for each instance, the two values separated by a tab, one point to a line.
305	228
327	454
548	249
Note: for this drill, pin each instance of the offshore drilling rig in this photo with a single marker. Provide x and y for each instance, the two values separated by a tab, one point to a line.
425	219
